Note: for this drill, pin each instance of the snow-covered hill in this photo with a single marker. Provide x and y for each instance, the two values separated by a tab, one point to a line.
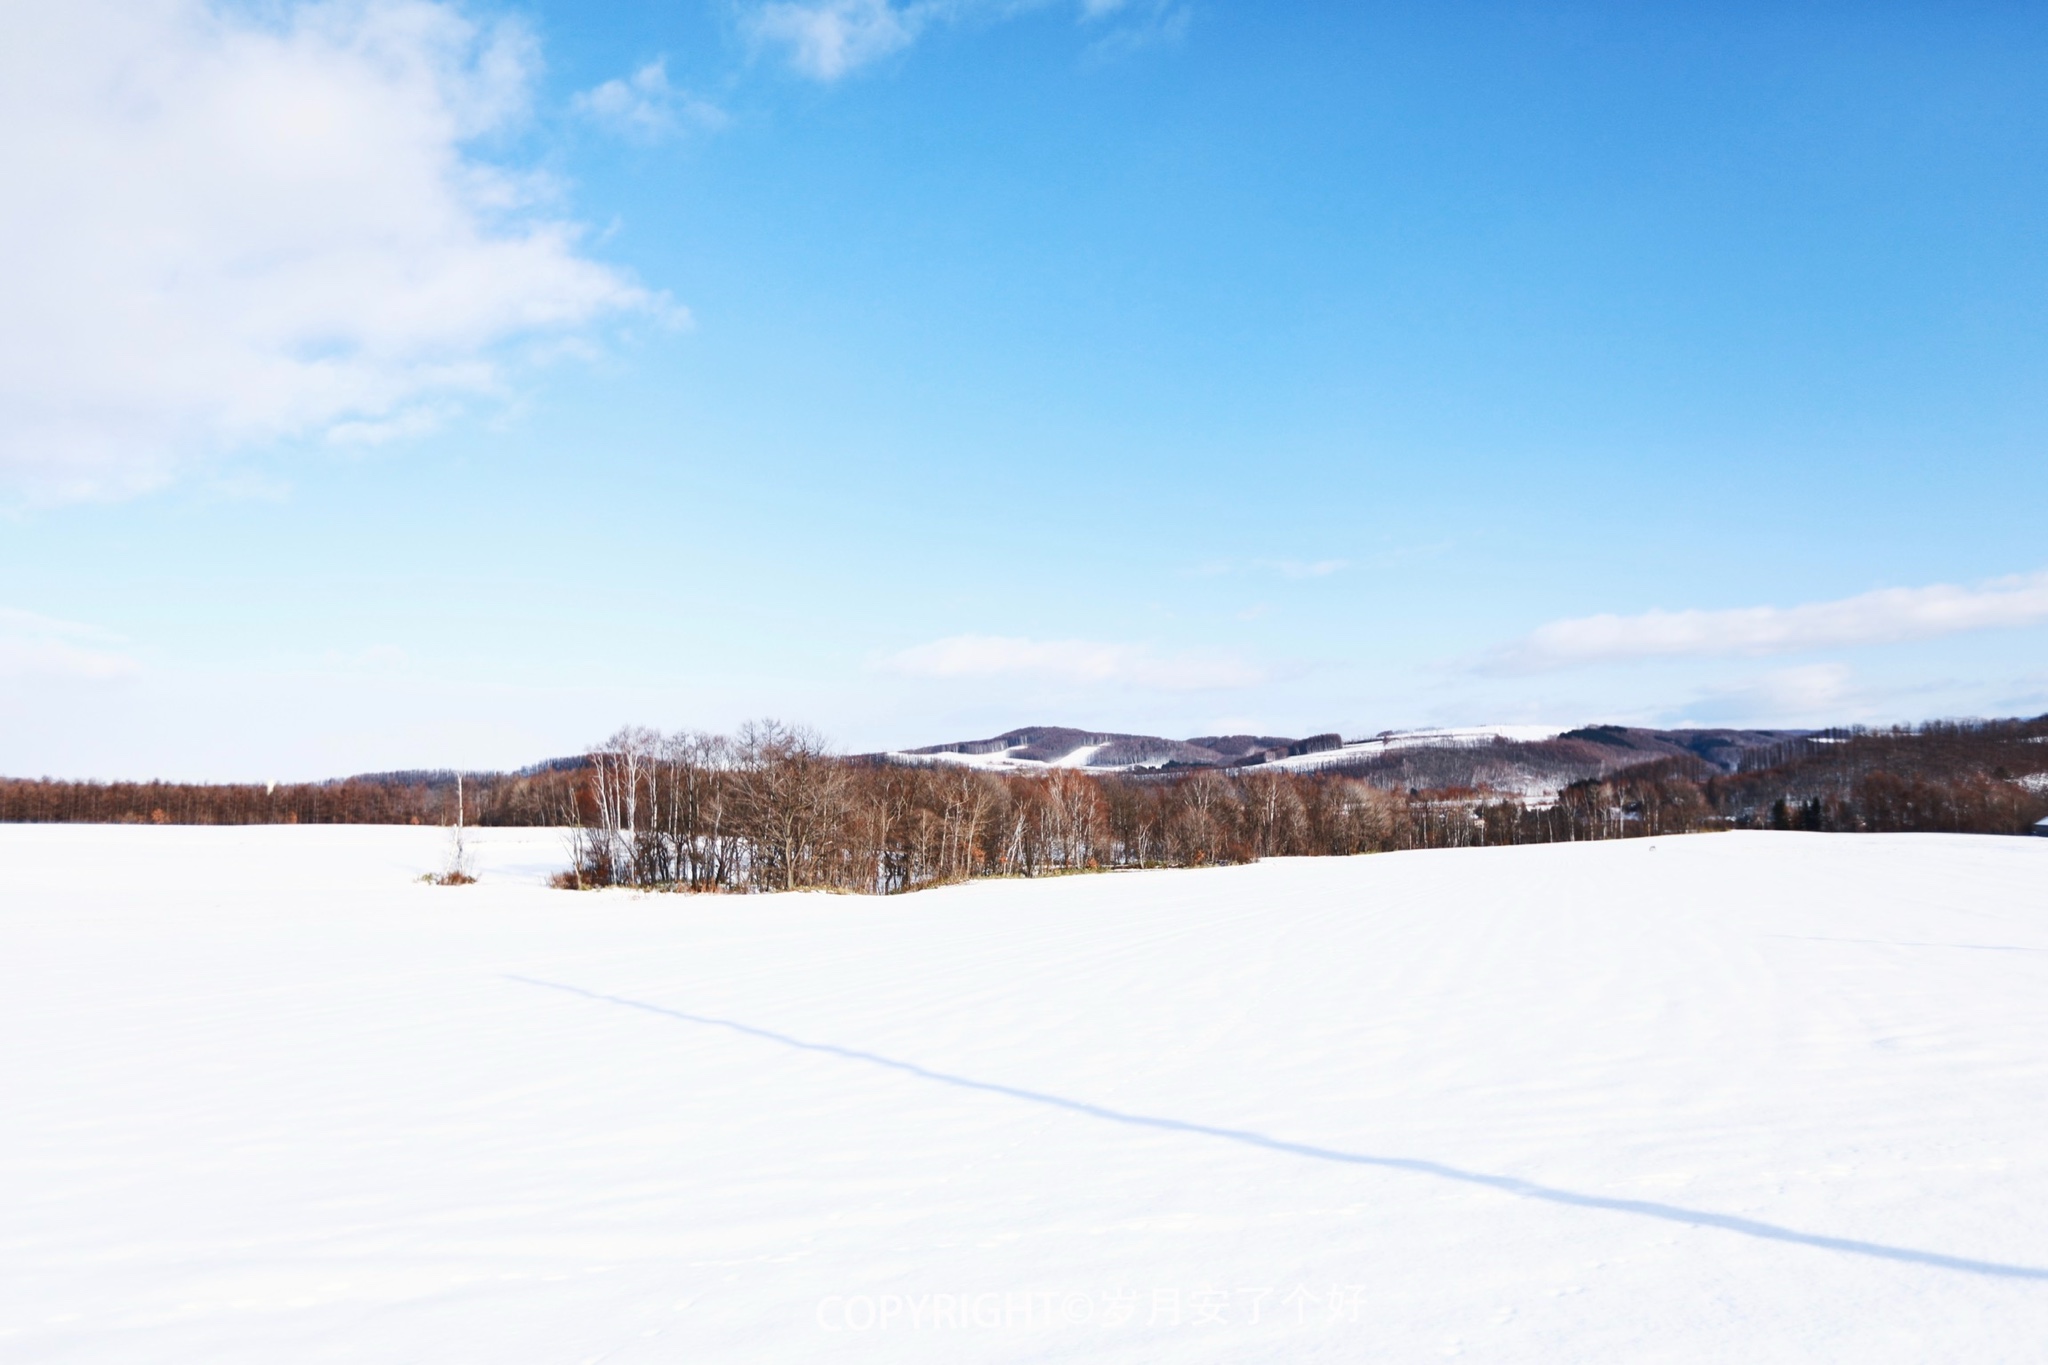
1733	1097
1388	741
1531	762
1041	747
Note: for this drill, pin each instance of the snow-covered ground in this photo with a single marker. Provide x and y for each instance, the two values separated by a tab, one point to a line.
1390	740
1007	760
1083	756
1766	1097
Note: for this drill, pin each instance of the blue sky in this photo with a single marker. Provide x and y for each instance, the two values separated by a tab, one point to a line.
408	384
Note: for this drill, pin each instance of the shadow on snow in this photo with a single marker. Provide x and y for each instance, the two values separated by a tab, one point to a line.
1507	1184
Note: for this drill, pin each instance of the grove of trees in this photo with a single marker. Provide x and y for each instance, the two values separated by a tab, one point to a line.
773	809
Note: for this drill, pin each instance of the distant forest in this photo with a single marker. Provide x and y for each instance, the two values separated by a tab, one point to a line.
773	808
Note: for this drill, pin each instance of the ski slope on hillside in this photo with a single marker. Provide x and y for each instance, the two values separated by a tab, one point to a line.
1766	1097
1375	745
1085	753
1011	760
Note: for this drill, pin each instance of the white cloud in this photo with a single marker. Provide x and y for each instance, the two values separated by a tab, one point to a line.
826	39
1883	617
1141	25
223	232
645	105
1072	661
36	646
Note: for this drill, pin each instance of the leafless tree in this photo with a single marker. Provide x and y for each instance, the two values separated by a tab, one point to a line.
793	798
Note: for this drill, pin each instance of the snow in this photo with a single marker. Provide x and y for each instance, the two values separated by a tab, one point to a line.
1759	1097
1357	749
1007	760
1466	734
1000	761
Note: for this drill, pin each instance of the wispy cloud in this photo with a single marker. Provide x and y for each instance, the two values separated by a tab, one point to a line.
254	223
644	105
33	645
1887	616
1139	24
1073	661
827	39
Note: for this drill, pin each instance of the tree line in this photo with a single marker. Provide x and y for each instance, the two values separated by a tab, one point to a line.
536	797
772	808
1962	777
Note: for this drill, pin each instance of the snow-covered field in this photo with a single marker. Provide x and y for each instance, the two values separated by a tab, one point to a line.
1769	1097
1466	737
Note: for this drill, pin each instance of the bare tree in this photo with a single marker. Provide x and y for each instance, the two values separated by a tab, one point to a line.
458	872
793	795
